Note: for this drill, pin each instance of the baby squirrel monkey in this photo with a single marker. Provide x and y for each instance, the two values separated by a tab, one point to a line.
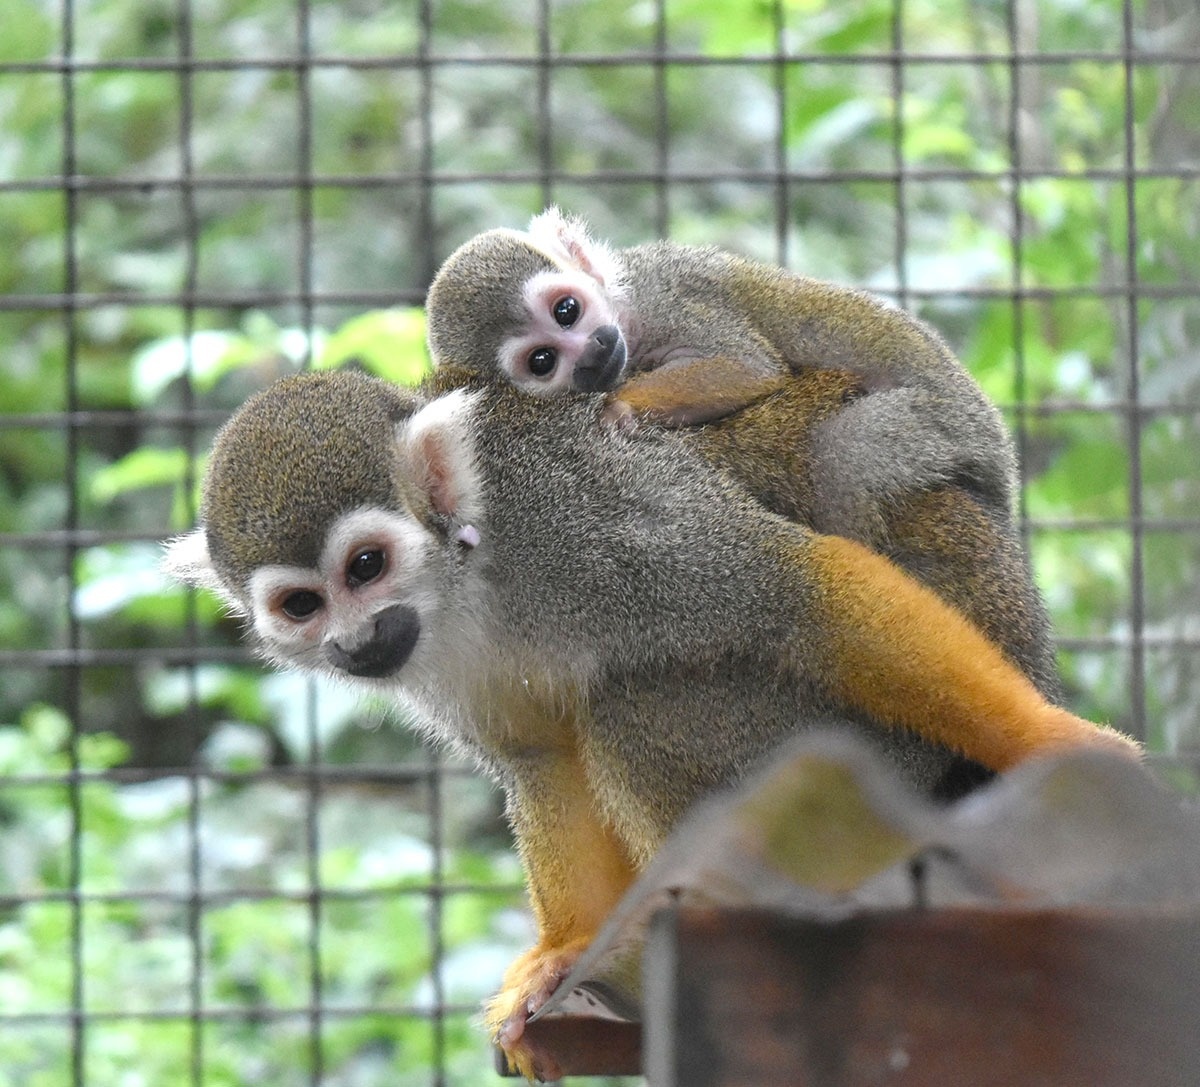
611	627
696	334
830	407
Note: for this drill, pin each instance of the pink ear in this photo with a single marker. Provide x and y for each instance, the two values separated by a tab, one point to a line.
573	237
437	453
567	239
437	464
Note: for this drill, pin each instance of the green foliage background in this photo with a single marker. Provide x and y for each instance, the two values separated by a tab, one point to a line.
1060	358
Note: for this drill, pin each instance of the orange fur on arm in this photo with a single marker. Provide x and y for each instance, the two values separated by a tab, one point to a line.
696	391
907	659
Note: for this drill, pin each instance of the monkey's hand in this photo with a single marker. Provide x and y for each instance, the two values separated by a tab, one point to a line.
908	660
1066	732
620	415
528	983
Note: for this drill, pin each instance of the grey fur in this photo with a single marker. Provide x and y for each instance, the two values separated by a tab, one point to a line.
622	570
923	425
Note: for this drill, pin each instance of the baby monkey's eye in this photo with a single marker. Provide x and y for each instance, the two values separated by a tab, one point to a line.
301	604
566	311
366	566
542	361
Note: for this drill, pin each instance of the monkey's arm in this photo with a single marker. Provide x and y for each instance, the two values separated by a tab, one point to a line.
896	652
688	392
962	546
577	872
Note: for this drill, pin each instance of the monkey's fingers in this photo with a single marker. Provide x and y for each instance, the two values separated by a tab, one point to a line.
618	413
1069	731
528	983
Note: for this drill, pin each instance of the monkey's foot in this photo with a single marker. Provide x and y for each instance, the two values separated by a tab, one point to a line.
528	983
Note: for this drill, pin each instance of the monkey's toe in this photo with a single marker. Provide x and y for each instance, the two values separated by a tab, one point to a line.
528	983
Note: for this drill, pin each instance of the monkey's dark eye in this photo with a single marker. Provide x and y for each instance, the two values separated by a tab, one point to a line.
542	361
366	566
301	604
566	311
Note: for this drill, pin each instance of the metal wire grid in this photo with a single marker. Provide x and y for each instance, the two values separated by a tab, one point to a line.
70	660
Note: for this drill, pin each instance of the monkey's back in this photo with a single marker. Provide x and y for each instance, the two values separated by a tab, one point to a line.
810	323
667	591
880	434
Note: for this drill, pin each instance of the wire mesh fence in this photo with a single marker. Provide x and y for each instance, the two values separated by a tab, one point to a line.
210	874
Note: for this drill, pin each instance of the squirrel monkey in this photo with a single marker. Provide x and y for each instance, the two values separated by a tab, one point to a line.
829	406
611	627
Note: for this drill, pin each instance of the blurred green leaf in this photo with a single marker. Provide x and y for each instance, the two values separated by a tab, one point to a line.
145	467
389	343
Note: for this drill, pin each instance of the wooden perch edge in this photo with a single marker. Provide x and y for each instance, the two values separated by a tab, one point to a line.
819	925
1060	998
586	1046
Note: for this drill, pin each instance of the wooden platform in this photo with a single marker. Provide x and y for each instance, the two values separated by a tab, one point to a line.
1004	997
821	926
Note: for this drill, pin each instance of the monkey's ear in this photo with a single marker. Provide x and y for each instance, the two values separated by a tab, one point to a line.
186	559
567	239
438	455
